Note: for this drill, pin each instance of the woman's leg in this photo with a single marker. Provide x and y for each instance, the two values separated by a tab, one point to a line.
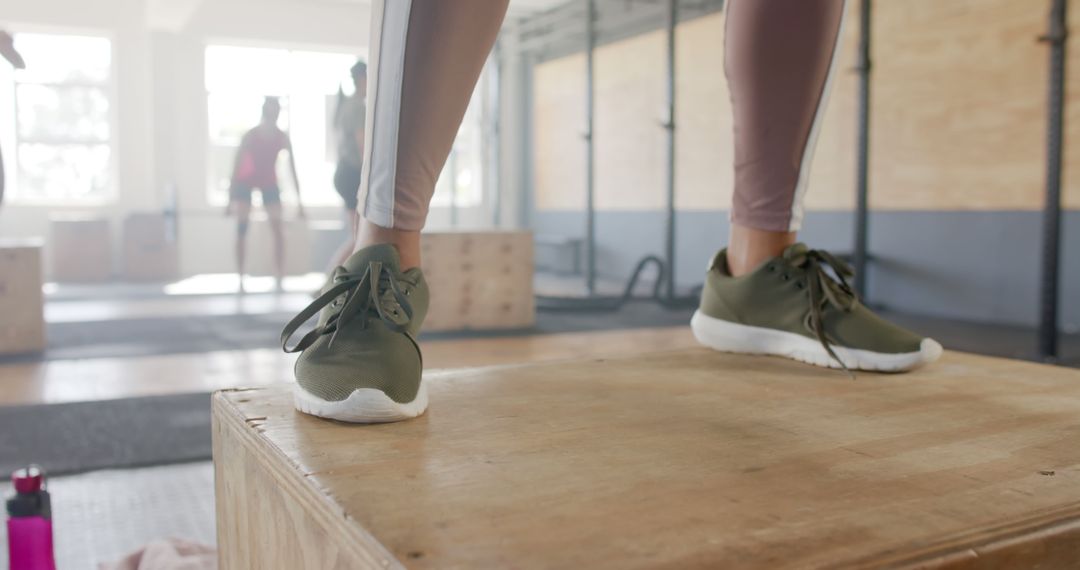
242	211
349	245
426	58
362	364
2	177
347	184
277	236
778	55
765	294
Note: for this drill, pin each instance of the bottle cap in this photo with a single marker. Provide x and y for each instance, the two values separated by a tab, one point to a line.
28	480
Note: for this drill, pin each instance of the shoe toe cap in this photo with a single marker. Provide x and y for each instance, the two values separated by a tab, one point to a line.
931	350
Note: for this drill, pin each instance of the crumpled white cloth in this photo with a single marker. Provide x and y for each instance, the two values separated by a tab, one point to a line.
167	554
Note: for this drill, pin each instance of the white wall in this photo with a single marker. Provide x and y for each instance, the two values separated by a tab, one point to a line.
513	128
123	20
181	137
160	98
161	136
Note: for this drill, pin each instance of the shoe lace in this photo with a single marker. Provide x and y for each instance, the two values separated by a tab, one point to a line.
827	282
373	293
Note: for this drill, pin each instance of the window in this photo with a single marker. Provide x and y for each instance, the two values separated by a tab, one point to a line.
307	83
237	80
461	182
57	119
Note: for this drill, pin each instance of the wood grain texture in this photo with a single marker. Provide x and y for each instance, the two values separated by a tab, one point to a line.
629	138
56	381
22	323
558	125
703	133
482	280
1070	189
958	114
678	459
959	99
268	522
704	140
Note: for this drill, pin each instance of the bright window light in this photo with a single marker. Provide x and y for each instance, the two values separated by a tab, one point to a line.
239	78
56	120
466	160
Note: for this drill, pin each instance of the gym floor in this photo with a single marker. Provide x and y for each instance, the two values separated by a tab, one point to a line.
107	346
95	321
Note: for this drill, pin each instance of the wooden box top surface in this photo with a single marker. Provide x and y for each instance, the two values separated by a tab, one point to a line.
700	459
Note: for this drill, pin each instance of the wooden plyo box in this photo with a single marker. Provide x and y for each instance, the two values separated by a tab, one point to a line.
479	280
151	248
79	249
260	248
687	459
22	321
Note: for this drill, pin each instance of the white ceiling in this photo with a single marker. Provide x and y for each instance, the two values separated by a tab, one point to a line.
173	15
516	6
526	6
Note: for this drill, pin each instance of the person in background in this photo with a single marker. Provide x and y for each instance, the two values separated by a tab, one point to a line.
7	49
349	125
255	168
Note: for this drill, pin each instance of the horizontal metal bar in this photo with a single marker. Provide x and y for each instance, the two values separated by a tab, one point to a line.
561	31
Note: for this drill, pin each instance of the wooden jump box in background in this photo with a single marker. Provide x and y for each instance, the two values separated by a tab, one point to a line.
22	320
481	280
687	459
151	248
79	249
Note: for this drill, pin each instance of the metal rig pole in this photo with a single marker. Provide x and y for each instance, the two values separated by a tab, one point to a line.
1051	244
862	161
669	128
590	173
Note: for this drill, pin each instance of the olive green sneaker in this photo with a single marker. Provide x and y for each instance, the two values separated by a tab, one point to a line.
362	363
799	305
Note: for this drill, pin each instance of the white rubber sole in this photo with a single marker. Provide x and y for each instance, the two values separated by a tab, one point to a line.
363	406
727	336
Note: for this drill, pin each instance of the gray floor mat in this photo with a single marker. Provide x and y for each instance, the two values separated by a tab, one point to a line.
120	338
82	436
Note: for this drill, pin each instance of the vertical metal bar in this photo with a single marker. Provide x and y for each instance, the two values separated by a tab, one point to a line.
496	92
590	180
669	135
453	188
1056	36
525	207
863	150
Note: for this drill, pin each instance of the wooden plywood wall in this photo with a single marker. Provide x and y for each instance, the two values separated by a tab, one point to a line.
1071	157
628	133
559	122
703	145
959	99
958	121
629	138
485	280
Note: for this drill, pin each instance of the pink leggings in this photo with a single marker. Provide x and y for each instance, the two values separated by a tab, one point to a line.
428	54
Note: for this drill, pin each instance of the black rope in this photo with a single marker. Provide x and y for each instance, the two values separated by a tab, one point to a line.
603	304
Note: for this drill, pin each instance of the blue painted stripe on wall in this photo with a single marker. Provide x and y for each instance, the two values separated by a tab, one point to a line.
978	266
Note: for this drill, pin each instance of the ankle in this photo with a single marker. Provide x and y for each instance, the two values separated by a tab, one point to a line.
748	247
406	242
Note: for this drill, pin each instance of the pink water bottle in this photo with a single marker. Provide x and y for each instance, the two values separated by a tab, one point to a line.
29	523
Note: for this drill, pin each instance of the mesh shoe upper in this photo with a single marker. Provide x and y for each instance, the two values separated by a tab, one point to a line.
369	315
783	293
